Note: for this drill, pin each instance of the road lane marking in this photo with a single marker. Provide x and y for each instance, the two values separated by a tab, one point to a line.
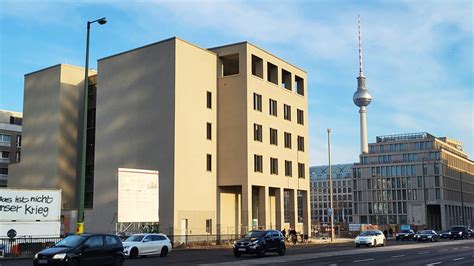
422	253
434	263
364	260
444	250
398	256
456	259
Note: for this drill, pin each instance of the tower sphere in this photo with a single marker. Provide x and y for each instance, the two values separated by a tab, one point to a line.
362	97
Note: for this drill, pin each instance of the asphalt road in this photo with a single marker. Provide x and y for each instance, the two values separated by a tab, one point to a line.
457	252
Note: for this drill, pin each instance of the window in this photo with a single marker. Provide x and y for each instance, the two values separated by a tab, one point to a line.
288	170
209	99
257	66
436	181
301	170
287	112
18	156
230	64
419	181
272	73
438	193
5	154
209	162
274	166
273	107
18	141
299	82
300	116
257	102
257	132
5	138
285	79
209	131
300	143
287	140
95	242
258	163
111	240
3	171
273	136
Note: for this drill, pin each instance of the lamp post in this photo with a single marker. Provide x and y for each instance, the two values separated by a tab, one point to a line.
330	187
82	165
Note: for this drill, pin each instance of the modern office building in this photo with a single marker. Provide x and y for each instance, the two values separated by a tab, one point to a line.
226	128
416	179
10	142
342	193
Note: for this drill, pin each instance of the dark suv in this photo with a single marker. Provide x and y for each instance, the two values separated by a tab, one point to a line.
85	249
405	235
258	242
459	231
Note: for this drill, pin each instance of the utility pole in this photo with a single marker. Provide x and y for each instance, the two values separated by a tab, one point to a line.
330	186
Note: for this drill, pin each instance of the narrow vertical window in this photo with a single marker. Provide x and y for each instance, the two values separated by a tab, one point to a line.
287	112
209	99
209	162
257	102
274	166
258	163
287	140
300	143
273	107
288	170
209	131
257	134
300	116
273	136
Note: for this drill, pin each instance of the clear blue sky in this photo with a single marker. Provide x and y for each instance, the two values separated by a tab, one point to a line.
418	55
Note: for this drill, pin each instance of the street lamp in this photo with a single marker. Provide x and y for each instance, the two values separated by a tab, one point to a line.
330	187
82	165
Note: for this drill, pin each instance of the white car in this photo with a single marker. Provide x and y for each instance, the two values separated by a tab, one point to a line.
370	238
146	244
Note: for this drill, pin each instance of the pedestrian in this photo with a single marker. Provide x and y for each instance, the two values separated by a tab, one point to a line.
390	231
283	232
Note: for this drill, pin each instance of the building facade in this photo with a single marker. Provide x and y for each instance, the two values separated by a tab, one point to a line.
225	127
10	142
342	193
416	179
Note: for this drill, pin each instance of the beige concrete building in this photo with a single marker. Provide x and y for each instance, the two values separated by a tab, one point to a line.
225	127
10	142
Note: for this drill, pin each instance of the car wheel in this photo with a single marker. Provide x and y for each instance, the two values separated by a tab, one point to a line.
237	254
357	245
73	262
282	250
133	253
118	261
260	251
164	252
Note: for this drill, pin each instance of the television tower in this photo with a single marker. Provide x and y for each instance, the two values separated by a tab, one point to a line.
362	98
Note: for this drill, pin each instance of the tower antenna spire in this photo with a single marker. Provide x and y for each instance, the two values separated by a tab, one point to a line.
361	68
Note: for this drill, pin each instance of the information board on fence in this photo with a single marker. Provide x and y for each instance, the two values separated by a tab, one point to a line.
137	195
29	205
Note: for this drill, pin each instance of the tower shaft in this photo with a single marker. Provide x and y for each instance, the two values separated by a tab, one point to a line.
364	147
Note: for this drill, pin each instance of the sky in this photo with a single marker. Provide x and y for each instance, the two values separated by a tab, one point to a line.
418	55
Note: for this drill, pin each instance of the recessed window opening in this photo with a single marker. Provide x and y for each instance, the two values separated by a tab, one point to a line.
299	84
272	73
230	64
257	66
285	79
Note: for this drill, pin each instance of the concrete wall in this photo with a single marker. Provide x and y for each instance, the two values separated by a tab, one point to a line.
49	144
135	127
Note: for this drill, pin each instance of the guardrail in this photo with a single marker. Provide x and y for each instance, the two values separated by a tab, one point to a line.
25	247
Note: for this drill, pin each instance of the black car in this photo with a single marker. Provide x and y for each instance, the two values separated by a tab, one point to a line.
405	235
85	249
459	231
258	242
427	235
445	235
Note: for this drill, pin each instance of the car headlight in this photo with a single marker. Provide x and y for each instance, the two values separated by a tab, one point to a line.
253	243
59	256
429	236
460	233
125	247
36	256
397	235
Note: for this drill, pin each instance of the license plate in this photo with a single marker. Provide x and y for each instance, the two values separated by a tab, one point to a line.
42	261
241	249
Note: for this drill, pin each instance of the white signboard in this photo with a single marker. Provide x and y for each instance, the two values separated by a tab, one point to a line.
29	205
354	227
137	195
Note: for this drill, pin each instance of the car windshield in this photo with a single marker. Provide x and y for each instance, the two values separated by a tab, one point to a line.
426	232
458	228
405	231
367	233
254	234
70	241
134	238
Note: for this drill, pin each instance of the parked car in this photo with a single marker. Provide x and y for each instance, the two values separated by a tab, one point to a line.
146	244
259	242
85	249
370	238
427	235
445	235
471	232
459	231
405	235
